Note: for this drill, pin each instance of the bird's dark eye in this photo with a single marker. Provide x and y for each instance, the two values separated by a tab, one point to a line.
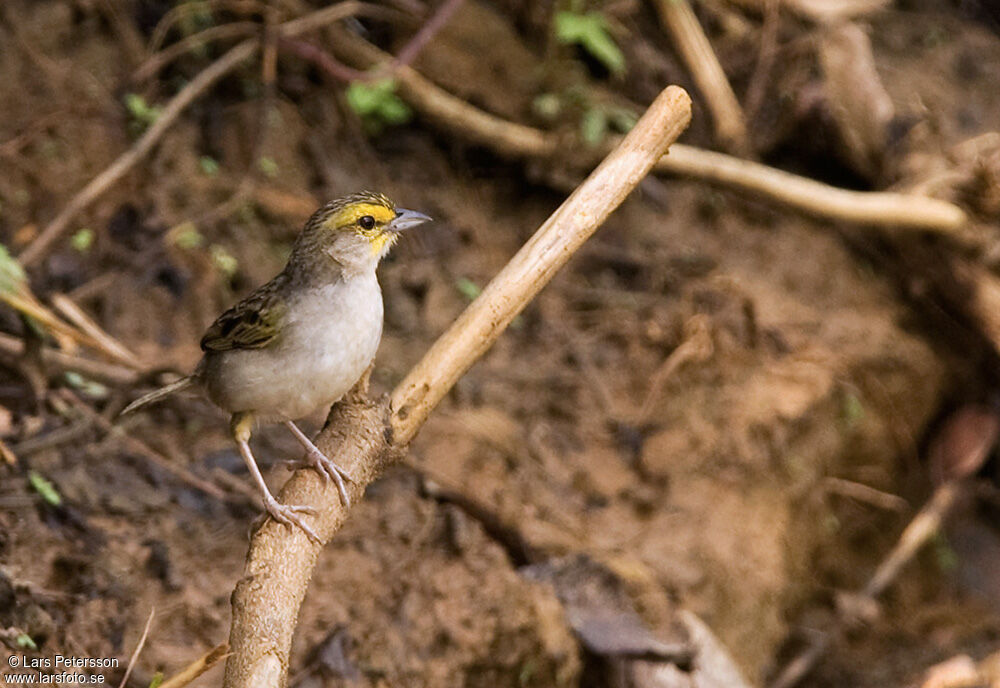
366	222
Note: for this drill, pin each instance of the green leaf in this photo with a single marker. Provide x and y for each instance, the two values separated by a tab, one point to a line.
622	120
83	240
140	109
593	126
267	166
224	261
186	236
157	680
467	288
590	32
25	642
208	165
46	489
377	104
11	273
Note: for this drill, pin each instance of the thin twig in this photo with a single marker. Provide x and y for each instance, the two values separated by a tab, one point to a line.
197	667
359	433
108	345
177	13
867	494
341	72
138	648
922	528
876	208
156	62
766	52
822	11
679	20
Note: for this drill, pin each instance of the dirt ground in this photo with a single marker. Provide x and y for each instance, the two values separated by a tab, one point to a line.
810	353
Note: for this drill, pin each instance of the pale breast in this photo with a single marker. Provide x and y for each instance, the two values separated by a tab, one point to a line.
329	338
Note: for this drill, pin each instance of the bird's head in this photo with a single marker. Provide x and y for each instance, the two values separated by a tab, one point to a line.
356	231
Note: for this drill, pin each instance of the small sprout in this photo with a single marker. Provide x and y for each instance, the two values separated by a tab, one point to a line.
528	671
377	104
547	106
11	273
83	240
590	32
25	642
140	110
186	236
247	213
89	388
467	288
224	261
208	165
853	410
157	680
593	126
944	554
44	488
267	166
622	120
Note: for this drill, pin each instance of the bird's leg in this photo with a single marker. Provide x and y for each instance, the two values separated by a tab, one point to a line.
321	462
282	513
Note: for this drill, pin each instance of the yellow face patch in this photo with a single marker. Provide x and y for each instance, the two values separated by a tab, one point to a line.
383	241
353	218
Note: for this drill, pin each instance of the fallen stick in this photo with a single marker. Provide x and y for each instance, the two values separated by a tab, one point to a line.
108	345
924	525
363	435
679	20
881	208
187	95
878	208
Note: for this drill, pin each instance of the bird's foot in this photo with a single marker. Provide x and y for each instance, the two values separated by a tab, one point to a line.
288	514
326	467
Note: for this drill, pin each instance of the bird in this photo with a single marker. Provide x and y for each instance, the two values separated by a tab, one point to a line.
302	340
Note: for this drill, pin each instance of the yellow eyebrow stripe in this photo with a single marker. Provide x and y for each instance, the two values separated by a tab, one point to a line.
352	213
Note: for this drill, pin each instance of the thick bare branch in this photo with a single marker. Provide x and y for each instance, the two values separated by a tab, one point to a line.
362	434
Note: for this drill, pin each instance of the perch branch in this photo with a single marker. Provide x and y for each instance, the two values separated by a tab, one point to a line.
362	434
878	208
679	20
187	95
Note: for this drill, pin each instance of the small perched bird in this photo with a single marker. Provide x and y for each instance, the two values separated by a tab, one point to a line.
302	340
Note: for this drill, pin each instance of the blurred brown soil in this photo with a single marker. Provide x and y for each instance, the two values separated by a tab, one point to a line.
812	365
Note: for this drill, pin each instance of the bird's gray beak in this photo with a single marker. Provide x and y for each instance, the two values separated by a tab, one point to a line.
407	218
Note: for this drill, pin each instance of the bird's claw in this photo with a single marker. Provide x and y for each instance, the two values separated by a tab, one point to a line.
330	471
288	514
